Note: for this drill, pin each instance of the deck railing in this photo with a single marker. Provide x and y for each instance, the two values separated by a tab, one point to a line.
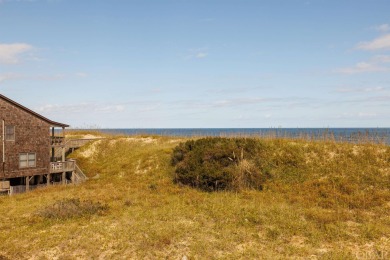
67	166
71	144
22	188
76	143
79	175
57	140
55	167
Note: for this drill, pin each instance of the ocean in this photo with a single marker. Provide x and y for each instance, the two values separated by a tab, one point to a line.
377	135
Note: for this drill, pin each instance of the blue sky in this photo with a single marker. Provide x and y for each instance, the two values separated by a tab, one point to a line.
198	63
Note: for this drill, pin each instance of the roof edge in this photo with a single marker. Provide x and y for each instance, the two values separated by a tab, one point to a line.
52	123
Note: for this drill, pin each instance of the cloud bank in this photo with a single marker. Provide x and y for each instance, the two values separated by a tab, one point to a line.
10	53
375	64
380	43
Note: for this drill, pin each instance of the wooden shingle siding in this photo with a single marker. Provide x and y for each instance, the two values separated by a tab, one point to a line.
32	135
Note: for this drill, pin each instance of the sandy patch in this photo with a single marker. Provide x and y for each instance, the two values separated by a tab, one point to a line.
298	241
91	149
52	253
331	155
146	140
175	141
355	150
89	136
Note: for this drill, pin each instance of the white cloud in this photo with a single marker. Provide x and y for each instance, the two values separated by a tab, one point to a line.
357	116
362	67
375	64
381	59
241	101
110	108
383	27
360	90
9	76
82	107
366	115
380	43
81	74
9	53
42	77
201	55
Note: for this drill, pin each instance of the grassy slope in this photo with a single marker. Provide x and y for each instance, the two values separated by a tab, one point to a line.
335	208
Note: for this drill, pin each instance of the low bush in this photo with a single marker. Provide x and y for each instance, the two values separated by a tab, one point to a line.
71	208
212	164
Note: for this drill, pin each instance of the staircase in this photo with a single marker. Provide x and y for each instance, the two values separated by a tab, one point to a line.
70	145
78	175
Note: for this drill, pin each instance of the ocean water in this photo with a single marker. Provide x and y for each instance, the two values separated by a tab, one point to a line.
377	135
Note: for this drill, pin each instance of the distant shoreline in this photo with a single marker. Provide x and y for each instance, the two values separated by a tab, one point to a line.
377	135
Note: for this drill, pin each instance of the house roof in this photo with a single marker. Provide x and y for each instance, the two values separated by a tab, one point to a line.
52	123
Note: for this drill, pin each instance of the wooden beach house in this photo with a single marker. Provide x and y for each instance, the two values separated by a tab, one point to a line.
32	150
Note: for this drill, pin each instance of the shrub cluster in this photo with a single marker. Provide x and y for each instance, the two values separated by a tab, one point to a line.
212	164
71	208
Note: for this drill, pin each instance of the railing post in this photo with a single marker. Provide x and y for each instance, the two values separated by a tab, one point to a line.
63	144
27	183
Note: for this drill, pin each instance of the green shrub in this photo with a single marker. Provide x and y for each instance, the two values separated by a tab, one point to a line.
212	164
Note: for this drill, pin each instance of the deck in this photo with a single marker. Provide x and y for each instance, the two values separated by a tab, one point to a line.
61	169
67	166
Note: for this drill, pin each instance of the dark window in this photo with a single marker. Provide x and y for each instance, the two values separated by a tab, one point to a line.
10	133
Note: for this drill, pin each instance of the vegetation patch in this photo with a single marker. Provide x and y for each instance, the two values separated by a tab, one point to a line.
320	200
72	208
212	164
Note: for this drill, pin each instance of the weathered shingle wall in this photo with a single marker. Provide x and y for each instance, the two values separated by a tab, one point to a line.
32	135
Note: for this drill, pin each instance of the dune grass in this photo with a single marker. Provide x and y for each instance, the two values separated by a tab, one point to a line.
326	200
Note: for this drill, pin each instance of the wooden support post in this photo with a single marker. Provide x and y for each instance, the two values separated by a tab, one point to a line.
63	147
63	154
73	177
63	177
48	179
52	148
27	183
28	179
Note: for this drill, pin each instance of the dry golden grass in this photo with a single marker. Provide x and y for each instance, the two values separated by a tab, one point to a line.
336	207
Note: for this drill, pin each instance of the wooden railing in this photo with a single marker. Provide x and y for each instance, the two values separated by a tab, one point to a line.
67	166
72	144
22	188
79	175
57	140
55	167
76	143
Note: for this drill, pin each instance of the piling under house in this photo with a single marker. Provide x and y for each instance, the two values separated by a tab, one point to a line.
32	150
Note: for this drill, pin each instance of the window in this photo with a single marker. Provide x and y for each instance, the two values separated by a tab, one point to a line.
27	160
31	160
10	133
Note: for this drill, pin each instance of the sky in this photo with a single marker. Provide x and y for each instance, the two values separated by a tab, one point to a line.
199	63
